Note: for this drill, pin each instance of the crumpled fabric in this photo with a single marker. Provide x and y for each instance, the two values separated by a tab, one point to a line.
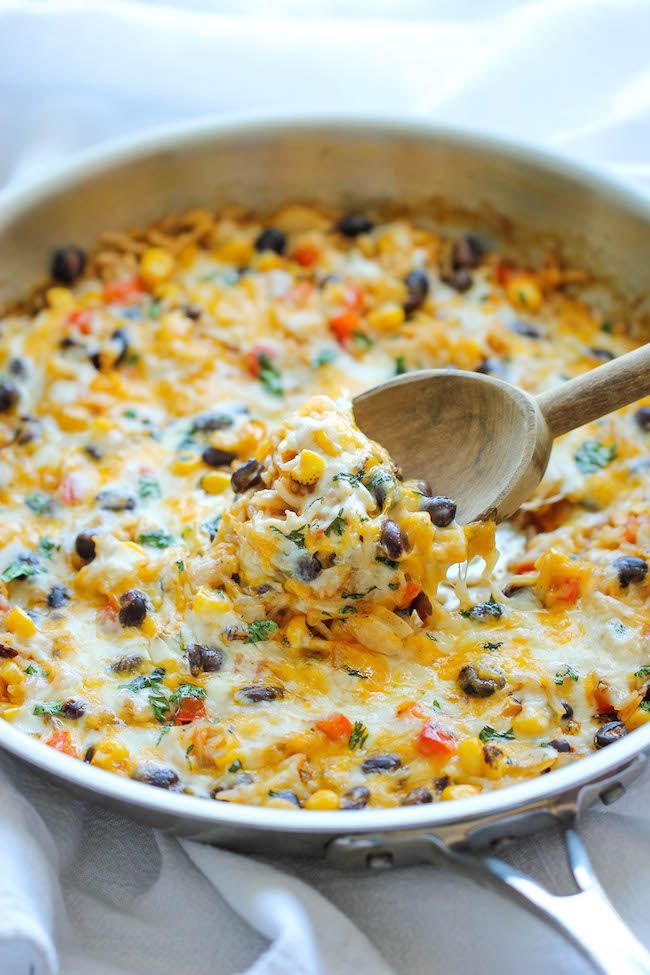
85	891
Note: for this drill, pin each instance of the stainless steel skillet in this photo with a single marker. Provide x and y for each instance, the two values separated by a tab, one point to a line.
354	161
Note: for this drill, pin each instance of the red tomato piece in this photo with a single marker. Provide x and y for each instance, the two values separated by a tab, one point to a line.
434	740
62	742
336	727
344	325
306	256
410	592
124	291
190	709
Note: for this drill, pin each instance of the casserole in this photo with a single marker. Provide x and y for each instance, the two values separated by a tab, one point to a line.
603	228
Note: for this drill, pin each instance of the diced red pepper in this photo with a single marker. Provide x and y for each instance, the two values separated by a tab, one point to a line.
336	727
344	325
124	291
410	592
69	489
354	297
631	529
62	742
306	256
566	590
190	709
253	357
434	740
504	272
80	319
410	707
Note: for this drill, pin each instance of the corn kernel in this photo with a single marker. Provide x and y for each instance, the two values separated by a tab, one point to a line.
309	469
148	627
236	252
458	792
322	799
112	756
61	299
386	317
216	482
269	261
531	721
210	603
156	265
524	293
325	443
18	622
10	714
637	718
470	754
185	464
72	419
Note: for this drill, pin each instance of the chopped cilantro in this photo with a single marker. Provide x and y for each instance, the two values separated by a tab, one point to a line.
296	536
324	357
236	765
357	595
21	568
358	735
47	547
159	704
400	365
362	340
34	670
352	479
606	327
145	680
189	750
269	376
39	503
642	672
132	359
337	526
436	706
490	645
148	487
154	310
348	609
130	414
593	456
155	539
645	705
567	673
393	585
488	733
386	561
353	672
260	630
51	707
185	691
180	565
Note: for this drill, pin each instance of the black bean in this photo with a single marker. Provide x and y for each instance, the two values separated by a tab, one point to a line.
161	776
560	745
381	763
209	422
73	708
393	539
89	754
475	684
442	783
93	452
460	279
121	338
308	567
356	798
603	354
424	487
214	457
609	733
422	606
287	795
57	597
417	286
95	358
353	224
193	312
28	430
567	712
133	608
67	342
630	568
418	797
642	417
525	329
271	239
67	264
18	367
492	755
247	476
8	397
257	693
84	546
7	652
467	253
126	664
441	510
203	659
381	485
115	501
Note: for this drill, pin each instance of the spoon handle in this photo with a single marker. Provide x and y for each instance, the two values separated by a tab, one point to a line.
595	393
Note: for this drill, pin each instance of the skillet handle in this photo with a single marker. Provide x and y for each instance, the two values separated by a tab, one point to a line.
587	918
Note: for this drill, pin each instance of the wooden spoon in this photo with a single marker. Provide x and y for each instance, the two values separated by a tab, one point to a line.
484	442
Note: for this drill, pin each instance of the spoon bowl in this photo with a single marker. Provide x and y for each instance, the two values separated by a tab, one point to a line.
481	441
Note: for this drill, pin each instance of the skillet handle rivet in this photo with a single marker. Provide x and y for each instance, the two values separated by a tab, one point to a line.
611	794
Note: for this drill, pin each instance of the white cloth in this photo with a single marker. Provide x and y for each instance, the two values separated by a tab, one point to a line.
87	890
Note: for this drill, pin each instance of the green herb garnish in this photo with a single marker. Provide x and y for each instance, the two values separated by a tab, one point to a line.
324	357
353	672
148	487
236	766
400	365
260	630
490	645
40	503
567	673
488	733
337	526
358	735
155	539
362	340
47	547
296	536
35	671
145	680
353	479
593	456
642	672
348	609
51	707
270	377
20	568
180	565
